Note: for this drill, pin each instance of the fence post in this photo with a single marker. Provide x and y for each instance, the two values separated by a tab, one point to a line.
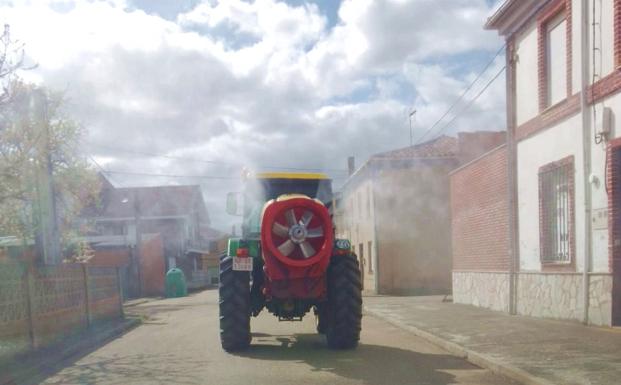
120	289
87	300
30	289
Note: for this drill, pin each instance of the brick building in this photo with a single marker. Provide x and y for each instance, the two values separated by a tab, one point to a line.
480	231
564	163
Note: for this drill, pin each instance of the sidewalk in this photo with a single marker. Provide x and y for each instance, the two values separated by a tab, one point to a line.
534	351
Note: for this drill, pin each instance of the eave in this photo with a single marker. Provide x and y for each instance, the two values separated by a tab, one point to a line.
512	14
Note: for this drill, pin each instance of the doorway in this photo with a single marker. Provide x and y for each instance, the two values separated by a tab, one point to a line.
614	208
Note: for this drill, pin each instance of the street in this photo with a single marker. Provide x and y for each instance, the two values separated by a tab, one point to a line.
179	344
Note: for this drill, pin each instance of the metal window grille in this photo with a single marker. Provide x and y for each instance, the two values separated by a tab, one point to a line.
556	188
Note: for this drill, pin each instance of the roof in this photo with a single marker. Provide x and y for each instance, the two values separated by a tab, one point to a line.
158	201
441	147
512	14
290	175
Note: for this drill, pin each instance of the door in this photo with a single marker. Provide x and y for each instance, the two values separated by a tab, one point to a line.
614	207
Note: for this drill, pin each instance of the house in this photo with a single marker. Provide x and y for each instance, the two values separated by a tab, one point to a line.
177	213
563	159
395	210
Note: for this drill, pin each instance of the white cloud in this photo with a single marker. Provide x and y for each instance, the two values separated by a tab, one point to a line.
259	82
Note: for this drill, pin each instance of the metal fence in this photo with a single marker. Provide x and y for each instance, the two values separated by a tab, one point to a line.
42	305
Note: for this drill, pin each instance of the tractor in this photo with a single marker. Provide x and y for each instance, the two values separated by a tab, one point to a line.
288	261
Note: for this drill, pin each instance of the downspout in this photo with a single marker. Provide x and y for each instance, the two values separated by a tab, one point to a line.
586	154
511	175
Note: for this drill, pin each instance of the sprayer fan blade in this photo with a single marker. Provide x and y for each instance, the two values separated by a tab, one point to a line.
290	215
287	247
306	218
307	249
315	233
280	230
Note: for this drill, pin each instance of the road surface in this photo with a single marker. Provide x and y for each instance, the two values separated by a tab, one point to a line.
178	344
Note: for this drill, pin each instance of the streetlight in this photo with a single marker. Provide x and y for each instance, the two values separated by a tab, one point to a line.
413	113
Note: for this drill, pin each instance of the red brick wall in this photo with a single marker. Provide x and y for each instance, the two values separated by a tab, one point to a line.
117	257
480	214
474	144
617	26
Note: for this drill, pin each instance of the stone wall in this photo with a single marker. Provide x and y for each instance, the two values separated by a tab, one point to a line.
484	289
559	296
556	296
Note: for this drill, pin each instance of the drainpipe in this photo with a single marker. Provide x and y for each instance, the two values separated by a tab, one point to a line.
511	176
586	154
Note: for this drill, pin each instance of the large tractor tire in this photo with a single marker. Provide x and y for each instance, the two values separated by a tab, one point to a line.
344	303
234	307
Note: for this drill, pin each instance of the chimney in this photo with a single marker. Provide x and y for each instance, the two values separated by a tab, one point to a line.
351	165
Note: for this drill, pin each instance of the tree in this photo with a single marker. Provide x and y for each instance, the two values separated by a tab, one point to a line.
11	60
38	140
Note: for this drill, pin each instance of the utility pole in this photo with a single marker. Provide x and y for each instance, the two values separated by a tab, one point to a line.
413	113
49	234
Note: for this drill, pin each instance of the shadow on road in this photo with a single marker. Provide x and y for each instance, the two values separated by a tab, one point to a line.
368	364
129	369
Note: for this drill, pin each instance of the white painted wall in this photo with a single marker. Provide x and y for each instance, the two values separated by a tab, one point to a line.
527	101
565	138
360	225
545	147
553	144
604	40
599	195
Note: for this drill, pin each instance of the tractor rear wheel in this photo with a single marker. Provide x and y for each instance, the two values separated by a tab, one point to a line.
344	303
234	307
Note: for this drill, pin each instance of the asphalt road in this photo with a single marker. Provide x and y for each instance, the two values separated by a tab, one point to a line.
179	344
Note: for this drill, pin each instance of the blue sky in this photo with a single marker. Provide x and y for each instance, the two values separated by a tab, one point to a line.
301	84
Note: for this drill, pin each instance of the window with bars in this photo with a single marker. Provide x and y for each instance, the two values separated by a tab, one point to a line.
556	200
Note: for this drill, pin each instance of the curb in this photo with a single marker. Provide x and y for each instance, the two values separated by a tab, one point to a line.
39	365
471	356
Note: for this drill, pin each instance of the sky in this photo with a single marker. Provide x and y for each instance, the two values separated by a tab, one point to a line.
206	87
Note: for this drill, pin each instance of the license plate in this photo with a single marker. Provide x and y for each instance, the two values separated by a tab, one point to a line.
242	264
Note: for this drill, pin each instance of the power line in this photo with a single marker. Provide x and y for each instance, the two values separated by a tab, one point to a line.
188	159
168	175
463	94
472	101
105	171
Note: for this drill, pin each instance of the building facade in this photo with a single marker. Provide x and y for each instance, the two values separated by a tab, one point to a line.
563	161
395	210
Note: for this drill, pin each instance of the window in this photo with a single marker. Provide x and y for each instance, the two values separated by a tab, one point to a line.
370	254
556	60
556	200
